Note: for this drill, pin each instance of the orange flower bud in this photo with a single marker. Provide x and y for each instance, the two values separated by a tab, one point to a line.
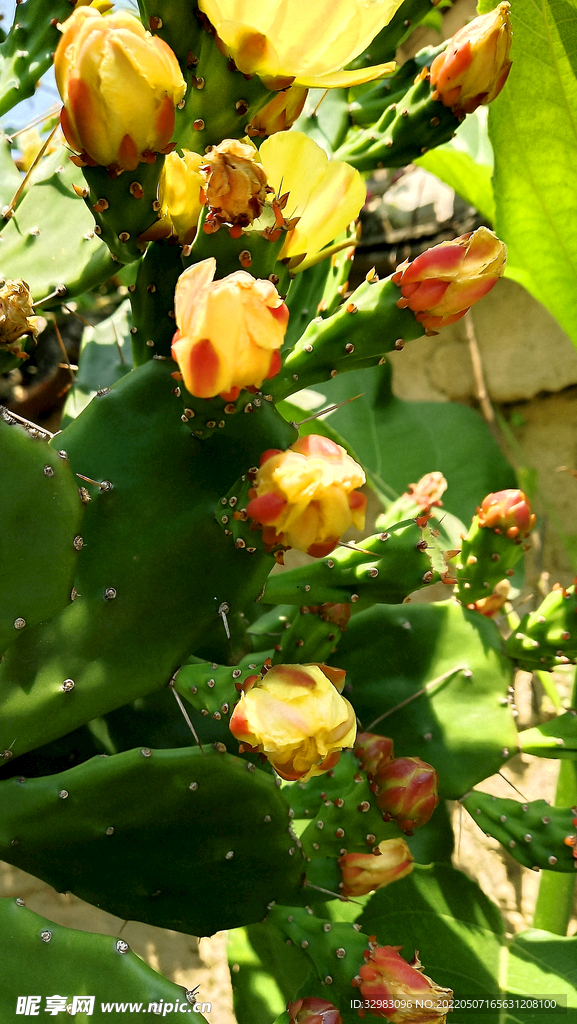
280	112
474	67
236	182
442	283
373	751
363	872
398	990
305	497
119	85
230	331
507	512
407	790
16	317
296	717
313	1010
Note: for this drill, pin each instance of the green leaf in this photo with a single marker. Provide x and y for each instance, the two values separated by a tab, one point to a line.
466	163
105	357
398	442
437	672
533	128
461	941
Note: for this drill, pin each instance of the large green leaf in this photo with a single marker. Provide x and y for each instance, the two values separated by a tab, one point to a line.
399	441
533	129
461	941
437	673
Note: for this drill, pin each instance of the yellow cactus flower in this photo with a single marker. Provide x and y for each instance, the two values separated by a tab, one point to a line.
230	331
179	194
306	497
119	85
296	717
325	195
286	41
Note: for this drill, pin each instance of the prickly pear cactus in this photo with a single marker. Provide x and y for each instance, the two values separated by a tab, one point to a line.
195	734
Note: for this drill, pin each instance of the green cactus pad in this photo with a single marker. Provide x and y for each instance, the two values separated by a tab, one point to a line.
436	681
359	334
556	738
74	963
41	513
50	240
110	831
548	636
407	128
533	833
486	558
27	51
386	567
138	611
152	301
335	948
311	638
130	206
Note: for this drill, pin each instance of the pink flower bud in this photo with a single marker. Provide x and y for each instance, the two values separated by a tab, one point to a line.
312	1010
474	67
443	283
407	790
507	512
373	751
399	989
363	872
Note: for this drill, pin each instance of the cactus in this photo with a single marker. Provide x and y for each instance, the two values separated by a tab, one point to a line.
77	963
104	829
543	638
379	567
35	589
160	673
535	834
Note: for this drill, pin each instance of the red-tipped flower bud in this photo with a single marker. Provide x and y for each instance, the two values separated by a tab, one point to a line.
443	283
400	991
363	872
408	791
474	67
373	751
507	512
313	1010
